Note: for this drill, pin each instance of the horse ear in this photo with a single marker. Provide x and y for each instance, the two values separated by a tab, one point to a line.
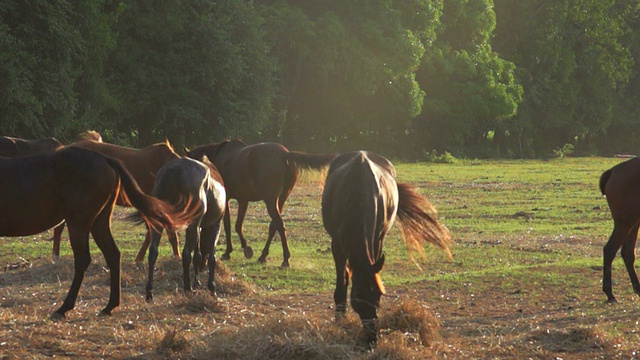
186	149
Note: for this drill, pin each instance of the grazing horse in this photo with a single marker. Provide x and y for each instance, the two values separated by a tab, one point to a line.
266	171
12	147
620	185
143	164
360	202
80	187
197	187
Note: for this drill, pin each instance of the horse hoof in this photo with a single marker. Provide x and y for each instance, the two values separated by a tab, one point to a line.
612	301
104	312
262	259
248	252
139	265
212	288
56	316
149	298
225	256
285	264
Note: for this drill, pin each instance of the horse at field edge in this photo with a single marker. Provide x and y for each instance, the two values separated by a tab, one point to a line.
620	185
78	186
143	164
260	172
196	187
360	202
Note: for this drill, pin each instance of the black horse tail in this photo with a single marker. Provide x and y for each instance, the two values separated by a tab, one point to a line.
155	212
603	180
419	221
309	161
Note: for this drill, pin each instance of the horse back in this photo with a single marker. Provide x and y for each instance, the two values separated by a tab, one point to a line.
143	164
359	202
47	187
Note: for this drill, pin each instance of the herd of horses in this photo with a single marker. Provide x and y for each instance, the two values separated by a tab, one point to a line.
46	184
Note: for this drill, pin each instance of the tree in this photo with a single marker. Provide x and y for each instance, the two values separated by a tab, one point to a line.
571	63
347	71
51	53
470	90
194	71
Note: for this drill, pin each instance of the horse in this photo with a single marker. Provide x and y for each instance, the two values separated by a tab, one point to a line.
361	200
12	147
143	164
266	171
197	187
80	187
619	184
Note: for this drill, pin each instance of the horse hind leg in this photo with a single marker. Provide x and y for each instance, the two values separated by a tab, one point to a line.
226	219
618	236
153	256
629	257
101	232
342	282
79	238
276	225
208	240
143	249
242	212
56	238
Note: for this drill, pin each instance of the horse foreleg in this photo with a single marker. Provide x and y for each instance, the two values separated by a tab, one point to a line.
242	212
608	254
629	257
56	238
153	256
79	239
104	239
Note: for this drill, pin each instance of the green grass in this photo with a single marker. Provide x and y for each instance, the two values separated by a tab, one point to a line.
492	208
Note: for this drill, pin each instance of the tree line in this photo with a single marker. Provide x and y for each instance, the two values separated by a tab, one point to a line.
412	78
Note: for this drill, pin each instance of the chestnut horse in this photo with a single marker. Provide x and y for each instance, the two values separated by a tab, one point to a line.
143	164
12	147
266	171
360	202
80	187
197	187
620	185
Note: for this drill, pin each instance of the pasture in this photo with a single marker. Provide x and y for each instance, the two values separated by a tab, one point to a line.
524	282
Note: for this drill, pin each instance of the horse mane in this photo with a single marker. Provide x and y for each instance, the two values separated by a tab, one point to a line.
90	135
419	221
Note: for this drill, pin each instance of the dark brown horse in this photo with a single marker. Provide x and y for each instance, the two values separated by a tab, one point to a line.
12	147
80	187
143	164
197	188
360	203
261	172
620	185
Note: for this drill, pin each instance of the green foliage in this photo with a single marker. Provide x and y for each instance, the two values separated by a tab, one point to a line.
469	89
475	78
192	71
572	58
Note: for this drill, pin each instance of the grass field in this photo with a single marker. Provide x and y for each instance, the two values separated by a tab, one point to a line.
524	282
